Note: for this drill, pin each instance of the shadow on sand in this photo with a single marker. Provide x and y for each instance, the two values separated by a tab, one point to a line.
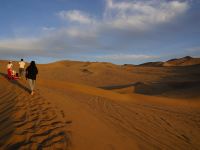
183	82
16	82
114	87
7	105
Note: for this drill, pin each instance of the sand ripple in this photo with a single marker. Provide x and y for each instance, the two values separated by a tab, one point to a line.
30	122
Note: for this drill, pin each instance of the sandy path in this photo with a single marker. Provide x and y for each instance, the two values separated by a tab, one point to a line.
136	123
29	122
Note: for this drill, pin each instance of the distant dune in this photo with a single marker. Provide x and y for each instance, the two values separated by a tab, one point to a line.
103	106
185	61
152	64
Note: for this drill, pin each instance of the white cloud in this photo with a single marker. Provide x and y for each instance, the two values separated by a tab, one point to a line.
58	41
135	15
125	57
76	16
19	44
142	14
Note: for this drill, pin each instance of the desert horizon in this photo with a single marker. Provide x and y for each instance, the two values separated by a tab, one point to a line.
98	105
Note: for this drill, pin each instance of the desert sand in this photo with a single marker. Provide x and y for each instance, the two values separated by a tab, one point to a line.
102	106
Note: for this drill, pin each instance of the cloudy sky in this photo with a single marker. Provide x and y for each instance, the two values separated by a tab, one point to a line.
118	31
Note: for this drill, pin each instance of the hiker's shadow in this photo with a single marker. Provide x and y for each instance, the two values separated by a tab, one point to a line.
15	82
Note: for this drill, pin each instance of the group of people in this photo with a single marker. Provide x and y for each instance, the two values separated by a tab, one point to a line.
29	73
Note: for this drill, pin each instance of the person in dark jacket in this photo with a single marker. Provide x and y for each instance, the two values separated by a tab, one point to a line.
31	73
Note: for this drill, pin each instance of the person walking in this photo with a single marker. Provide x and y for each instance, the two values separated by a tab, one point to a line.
21	68
31	73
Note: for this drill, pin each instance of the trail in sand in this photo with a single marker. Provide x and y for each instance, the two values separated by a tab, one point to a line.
149	124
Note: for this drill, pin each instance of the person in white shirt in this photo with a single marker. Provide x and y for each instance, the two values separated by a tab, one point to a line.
21	67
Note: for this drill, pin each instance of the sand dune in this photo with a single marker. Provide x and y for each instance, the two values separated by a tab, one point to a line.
161	81
102	106
150	122
184	61
30	122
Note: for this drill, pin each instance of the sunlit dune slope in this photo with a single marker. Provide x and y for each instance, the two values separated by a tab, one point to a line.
161	81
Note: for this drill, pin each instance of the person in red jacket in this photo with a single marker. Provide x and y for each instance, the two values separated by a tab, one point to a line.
31	73
12	75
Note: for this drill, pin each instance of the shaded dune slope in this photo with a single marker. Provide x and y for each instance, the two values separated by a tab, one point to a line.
29	122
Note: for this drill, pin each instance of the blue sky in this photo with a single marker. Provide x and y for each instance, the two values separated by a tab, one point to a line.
118	31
